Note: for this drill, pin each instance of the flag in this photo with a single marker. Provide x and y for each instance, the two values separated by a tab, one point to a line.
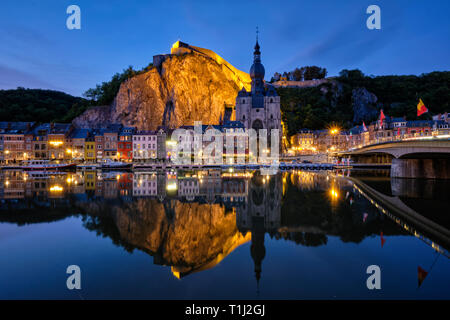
364	127
383	240
365	217
382	117
421	109
398	131
421	275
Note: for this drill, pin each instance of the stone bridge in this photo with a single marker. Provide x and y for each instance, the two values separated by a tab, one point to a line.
405	149
424	158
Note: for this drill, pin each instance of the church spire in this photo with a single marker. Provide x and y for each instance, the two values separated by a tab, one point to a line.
257	71
257	53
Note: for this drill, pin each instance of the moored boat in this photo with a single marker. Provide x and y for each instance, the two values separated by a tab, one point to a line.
43	165
114	165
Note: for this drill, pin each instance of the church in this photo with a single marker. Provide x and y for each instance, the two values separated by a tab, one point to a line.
260	108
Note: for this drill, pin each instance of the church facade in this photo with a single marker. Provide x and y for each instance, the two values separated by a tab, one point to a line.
259	108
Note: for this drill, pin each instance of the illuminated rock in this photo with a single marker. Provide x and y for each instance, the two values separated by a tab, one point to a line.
189	237
192	84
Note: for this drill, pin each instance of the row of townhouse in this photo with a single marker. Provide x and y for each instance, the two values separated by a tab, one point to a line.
312	141
29	140
21	141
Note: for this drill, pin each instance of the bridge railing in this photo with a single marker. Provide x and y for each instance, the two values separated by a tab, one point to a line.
395	138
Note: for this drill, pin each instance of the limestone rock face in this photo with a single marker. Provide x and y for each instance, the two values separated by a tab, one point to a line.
364	105
185	88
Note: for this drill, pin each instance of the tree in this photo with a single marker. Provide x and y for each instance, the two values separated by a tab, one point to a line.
276	77
314	72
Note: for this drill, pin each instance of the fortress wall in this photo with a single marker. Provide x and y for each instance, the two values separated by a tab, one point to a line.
299	84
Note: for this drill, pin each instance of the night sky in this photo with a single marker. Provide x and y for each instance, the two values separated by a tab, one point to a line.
38	51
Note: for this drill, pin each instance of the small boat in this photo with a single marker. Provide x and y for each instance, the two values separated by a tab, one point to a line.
43	165
92	166
115	165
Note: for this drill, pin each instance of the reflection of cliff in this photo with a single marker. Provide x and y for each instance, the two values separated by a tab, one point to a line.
187	236
196	234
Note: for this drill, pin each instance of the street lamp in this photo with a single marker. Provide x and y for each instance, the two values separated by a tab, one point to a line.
334	131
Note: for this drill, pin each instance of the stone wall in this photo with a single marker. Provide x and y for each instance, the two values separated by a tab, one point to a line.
421	168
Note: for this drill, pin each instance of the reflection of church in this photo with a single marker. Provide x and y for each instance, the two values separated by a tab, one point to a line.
261	214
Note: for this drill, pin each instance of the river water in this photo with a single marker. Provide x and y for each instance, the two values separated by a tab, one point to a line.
223	235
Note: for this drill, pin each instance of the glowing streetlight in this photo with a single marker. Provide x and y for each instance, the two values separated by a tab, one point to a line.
334	131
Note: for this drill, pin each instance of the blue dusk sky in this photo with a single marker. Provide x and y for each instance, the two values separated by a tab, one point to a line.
38	51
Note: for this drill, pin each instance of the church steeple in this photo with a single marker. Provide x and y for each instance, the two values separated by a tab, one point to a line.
257	71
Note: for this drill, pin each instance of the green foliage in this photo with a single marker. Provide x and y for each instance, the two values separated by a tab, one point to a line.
54	106
399	95
35	105
302	74
308	108
104	94
316	108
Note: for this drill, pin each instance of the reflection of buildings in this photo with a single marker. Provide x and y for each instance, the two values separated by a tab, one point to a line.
145	184
193	220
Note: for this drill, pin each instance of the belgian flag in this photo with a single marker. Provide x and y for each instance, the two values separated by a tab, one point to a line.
421	275
421	109
383	240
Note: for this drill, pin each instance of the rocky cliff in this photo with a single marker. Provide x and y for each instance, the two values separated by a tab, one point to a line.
184	88
364	105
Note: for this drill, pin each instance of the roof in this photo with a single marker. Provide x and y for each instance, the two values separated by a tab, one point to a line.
127	131
16	127
233	124
420	123
271	92
243	93
79	133
304	130
356	130
145	132
59	128
113	128
398	119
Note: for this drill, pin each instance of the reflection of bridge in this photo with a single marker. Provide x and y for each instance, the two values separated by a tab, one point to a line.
410	220
417	158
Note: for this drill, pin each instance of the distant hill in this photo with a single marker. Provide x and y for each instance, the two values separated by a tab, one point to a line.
352	97
194	87
39	105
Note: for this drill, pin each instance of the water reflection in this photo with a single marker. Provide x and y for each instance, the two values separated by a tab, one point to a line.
192	220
